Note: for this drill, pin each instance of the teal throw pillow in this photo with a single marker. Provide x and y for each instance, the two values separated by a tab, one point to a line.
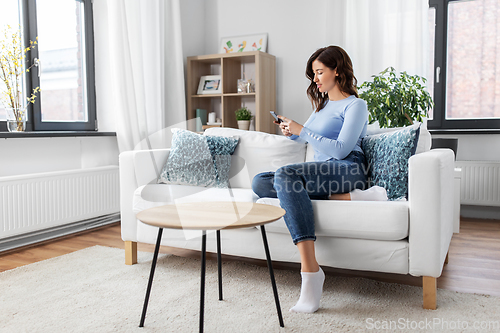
198	160
387	155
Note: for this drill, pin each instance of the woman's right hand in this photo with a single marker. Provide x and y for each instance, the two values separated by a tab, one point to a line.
284	127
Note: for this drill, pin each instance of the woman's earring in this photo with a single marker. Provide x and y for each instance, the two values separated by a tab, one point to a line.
323	94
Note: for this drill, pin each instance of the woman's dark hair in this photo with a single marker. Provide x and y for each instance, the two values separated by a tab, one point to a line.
333	57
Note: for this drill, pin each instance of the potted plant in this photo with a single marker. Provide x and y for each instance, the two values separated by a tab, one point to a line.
243	116
396	101
12	59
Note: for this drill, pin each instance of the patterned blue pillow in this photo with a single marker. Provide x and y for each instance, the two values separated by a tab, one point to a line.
198	160
387	155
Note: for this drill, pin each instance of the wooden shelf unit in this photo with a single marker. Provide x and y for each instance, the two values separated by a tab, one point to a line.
229	66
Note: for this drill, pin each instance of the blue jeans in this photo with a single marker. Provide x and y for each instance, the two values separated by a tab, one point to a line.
296	184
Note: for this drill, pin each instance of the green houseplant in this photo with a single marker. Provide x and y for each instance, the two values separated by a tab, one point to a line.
243	116
394	100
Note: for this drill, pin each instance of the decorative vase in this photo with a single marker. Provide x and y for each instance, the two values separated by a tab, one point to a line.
244	124
202	114
242	86
16	120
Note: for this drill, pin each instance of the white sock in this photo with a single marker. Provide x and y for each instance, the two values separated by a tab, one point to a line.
374	193
310	292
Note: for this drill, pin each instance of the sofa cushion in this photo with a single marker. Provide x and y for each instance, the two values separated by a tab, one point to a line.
198	160
387	155
258	152
378	220
154	195
424	137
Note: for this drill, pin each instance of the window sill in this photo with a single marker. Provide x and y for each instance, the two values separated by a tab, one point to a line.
464	131
52	134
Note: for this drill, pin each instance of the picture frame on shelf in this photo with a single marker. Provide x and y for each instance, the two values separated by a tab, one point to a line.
210	84
256	42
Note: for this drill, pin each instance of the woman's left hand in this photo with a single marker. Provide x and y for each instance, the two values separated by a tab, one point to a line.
293	127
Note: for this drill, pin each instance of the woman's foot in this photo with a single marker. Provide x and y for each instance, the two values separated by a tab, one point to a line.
310	292
374	193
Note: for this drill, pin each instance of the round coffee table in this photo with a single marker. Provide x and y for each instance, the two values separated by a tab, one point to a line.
211	216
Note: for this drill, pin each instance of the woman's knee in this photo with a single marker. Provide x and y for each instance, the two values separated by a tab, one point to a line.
289	178
287	171
262	185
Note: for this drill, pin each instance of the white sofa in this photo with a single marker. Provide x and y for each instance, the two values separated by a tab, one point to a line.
402	237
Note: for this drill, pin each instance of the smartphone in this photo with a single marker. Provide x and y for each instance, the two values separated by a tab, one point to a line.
276	117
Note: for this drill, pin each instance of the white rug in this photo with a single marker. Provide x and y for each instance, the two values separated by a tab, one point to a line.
92	290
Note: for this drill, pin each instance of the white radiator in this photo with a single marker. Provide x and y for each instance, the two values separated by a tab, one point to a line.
38	201
480	183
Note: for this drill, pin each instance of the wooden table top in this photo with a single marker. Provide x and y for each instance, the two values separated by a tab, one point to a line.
210	215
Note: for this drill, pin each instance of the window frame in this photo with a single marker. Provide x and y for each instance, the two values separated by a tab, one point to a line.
28	18
439	121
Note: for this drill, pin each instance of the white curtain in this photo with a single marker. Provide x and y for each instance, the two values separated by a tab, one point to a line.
381	33
144	60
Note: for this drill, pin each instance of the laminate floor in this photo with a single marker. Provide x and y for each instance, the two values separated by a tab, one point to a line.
473	267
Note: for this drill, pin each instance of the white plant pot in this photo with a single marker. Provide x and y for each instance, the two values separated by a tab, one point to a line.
244	124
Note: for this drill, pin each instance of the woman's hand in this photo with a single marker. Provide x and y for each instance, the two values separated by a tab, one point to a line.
283	127
289	127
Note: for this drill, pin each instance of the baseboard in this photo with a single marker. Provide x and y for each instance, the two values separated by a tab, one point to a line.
480	212
37	237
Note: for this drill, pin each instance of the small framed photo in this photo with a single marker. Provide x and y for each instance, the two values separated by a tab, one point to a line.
210	84
257	42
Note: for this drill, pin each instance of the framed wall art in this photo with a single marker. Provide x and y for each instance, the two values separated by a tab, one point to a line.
257	42
210	84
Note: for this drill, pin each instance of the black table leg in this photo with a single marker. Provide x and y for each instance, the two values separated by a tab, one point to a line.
271	273
202	287
151	274
219	264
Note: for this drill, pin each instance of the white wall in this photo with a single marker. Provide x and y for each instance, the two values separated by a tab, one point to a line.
34	155
193	27
478	147
295	30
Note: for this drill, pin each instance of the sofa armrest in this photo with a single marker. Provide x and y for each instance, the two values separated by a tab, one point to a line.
430	196
137	168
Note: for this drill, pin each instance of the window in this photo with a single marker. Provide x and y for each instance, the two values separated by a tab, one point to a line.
9	15
465	77
66	62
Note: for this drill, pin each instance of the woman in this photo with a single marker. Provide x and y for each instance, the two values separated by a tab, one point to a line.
335	130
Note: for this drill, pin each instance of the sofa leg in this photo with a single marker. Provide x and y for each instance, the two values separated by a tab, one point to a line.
429	285
446	259
130	253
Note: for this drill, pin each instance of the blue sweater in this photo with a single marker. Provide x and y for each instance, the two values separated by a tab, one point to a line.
336	130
